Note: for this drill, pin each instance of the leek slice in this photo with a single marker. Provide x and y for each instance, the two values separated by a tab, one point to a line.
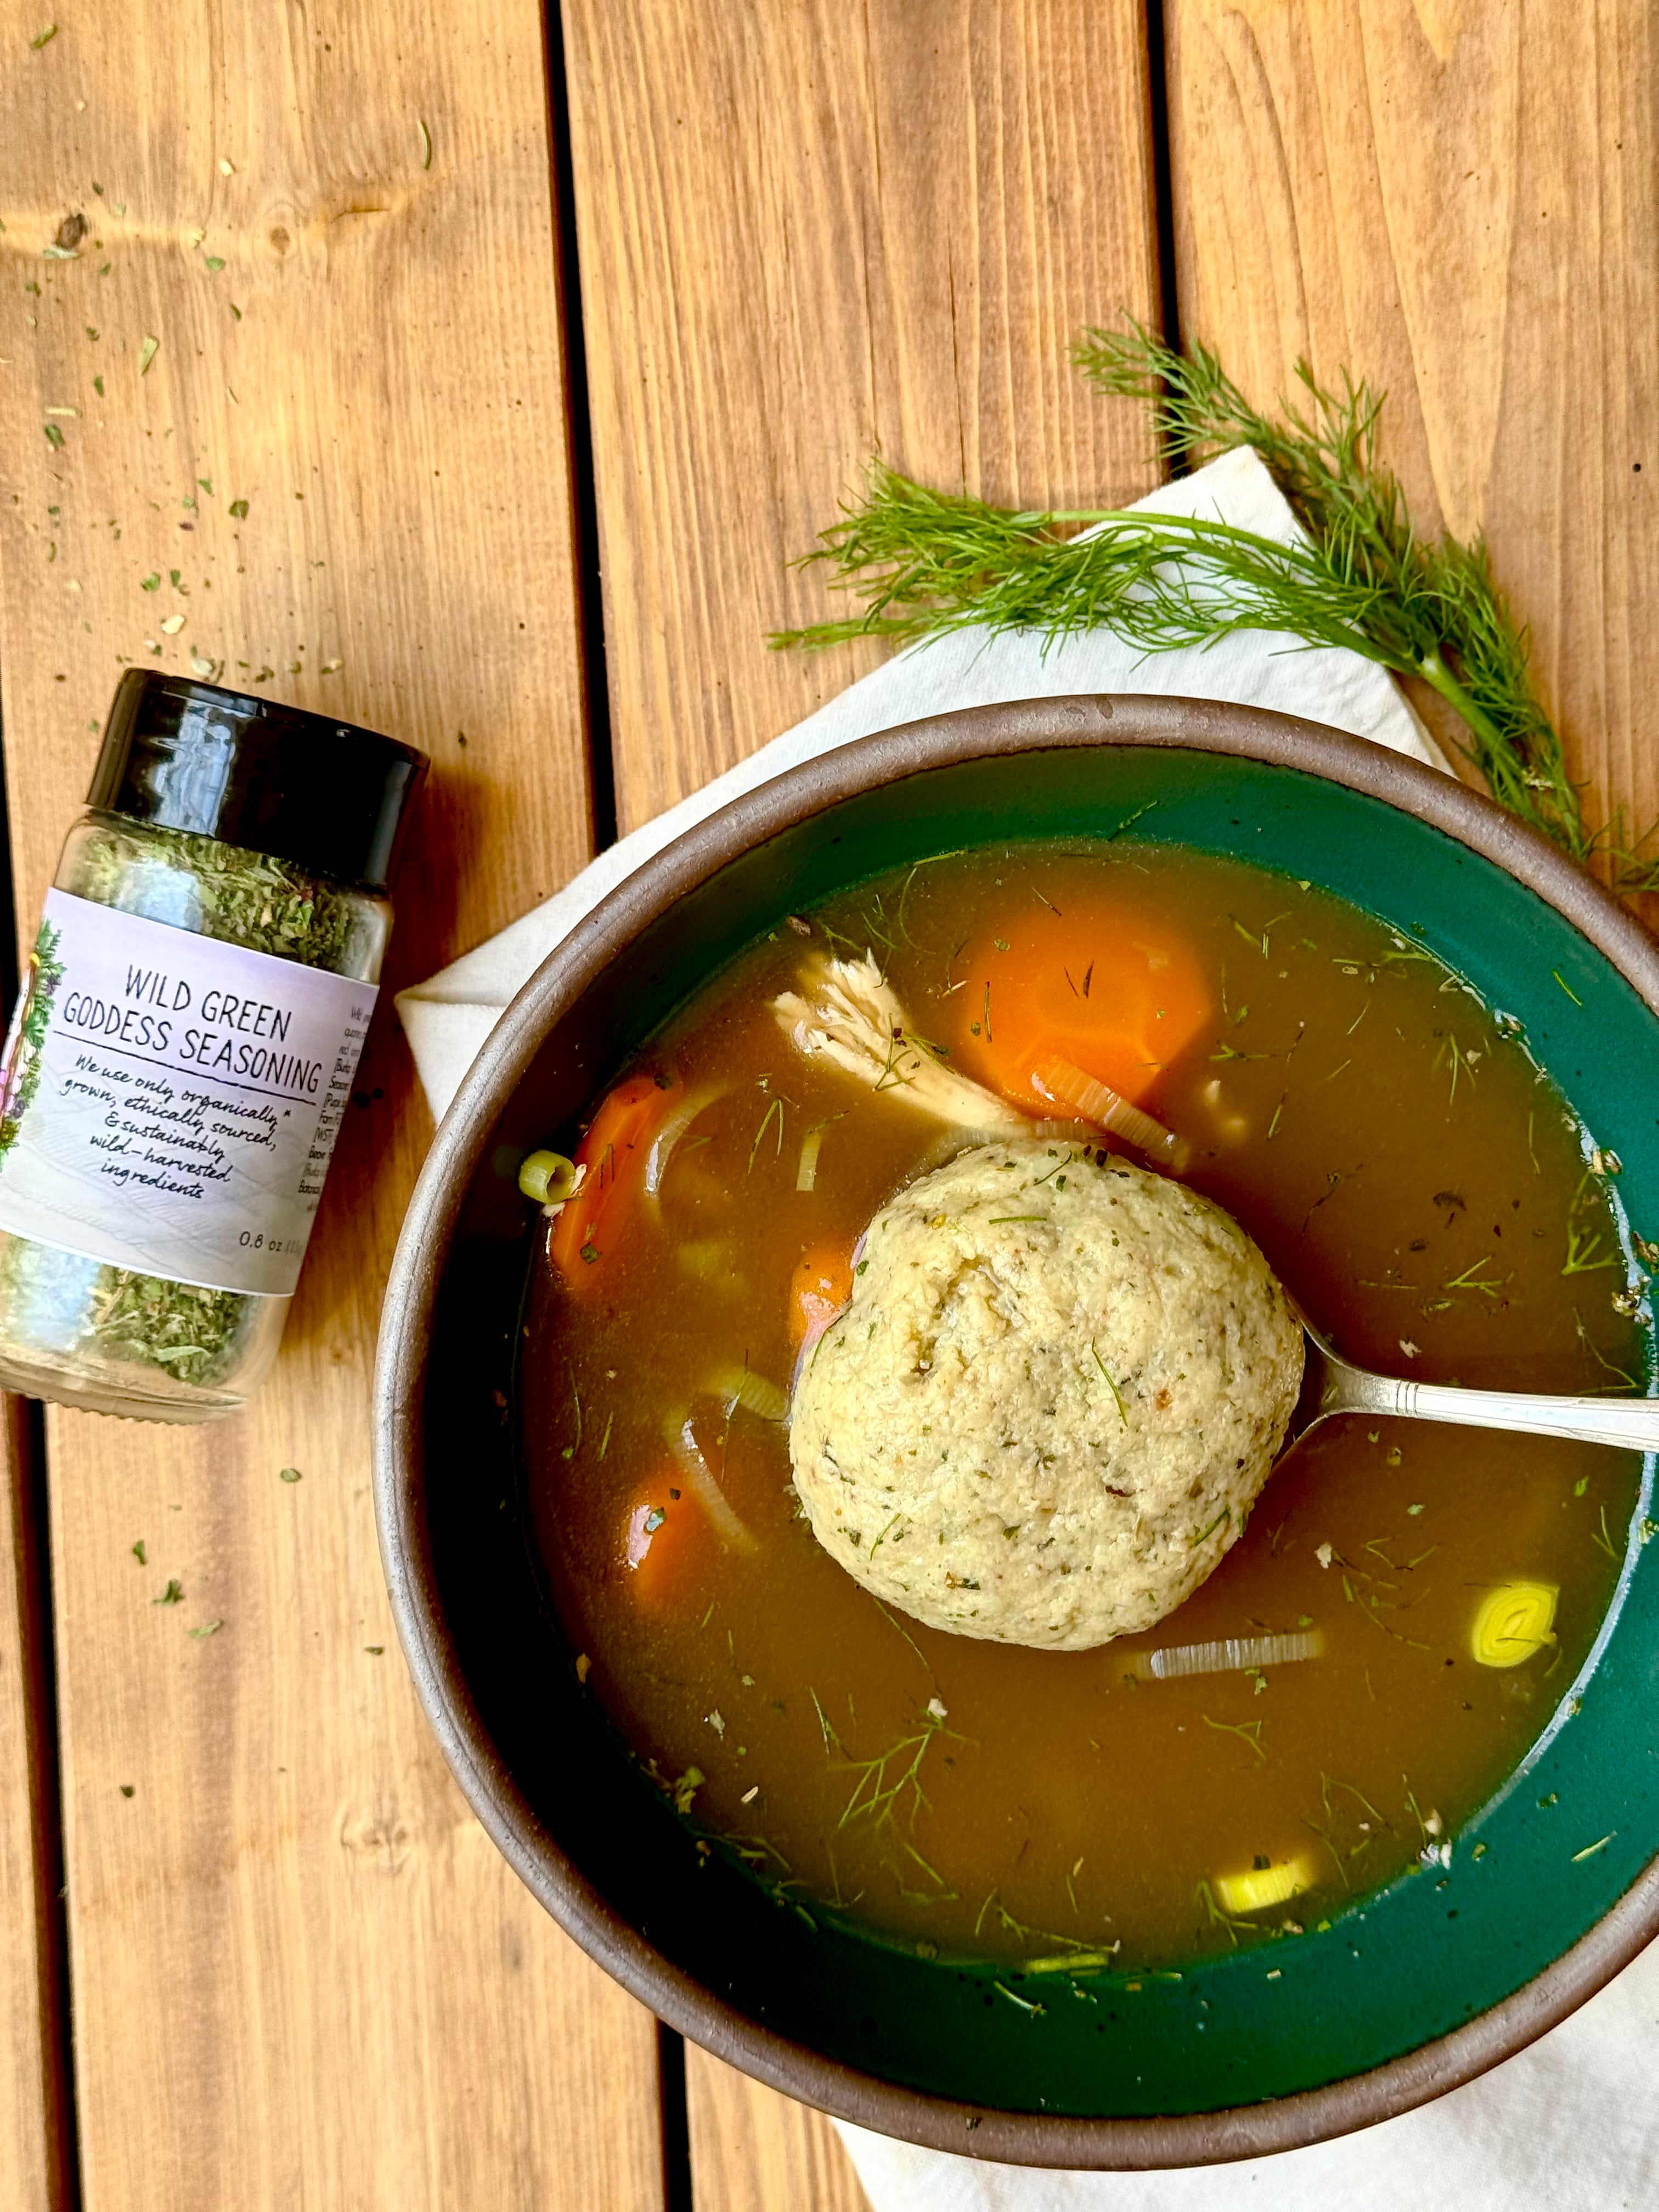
668	1136
1237	1655
1068	1085
806	1175
732	1531
741	1386
548	1177
1513	1623
1258	1887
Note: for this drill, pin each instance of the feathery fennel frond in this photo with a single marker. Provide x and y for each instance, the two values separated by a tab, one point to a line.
922	561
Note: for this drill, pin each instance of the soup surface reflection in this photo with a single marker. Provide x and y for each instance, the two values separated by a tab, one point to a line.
1419	1186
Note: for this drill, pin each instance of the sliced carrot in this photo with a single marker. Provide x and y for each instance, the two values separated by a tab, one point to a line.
665	1546
820	1287
1098	985
613	1154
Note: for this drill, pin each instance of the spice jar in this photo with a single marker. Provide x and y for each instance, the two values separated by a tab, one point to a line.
184	1045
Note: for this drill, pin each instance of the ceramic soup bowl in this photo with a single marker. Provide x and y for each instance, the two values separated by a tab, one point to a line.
1407	1993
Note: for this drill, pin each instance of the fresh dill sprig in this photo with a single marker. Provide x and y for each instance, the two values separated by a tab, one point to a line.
924	562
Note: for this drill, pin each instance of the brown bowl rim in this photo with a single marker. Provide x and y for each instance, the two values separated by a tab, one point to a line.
1040	2139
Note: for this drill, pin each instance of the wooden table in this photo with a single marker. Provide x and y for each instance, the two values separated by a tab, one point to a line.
534	367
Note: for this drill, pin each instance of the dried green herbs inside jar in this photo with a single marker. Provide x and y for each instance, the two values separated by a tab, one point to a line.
185	1043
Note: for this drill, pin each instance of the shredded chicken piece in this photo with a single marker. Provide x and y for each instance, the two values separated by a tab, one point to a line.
846	1010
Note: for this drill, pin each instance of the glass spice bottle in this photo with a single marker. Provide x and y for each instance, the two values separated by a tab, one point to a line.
184	1045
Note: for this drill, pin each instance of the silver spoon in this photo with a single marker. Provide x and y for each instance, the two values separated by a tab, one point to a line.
1331	1384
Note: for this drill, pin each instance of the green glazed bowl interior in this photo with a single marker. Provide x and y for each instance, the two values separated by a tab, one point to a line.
1405	1993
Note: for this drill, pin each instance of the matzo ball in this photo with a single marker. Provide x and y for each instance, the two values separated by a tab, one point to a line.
1046	1413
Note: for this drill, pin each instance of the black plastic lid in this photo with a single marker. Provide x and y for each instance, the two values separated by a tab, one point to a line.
328	796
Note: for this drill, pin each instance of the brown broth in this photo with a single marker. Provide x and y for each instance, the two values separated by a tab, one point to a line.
1420	1187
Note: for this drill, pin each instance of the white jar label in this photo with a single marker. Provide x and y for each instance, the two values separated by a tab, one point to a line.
169	1103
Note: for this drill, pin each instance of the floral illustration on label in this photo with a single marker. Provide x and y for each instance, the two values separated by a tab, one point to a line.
20	1076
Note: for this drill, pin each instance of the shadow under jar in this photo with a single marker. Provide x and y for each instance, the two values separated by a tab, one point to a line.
184	1044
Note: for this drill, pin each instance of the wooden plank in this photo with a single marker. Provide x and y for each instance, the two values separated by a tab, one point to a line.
754	2151
805	232
32	2093
1460	203
301	1974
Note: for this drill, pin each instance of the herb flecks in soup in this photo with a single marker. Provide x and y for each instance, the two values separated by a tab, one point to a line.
1408	1604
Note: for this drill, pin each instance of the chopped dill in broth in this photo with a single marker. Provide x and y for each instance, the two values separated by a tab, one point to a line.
1417	1184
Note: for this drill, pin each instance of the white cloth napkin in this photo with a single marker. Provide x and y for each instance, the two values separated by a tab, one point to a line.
1570	2125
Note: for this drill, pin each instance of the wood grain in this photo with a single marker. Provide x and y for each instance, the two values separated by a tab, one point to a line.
811	232
1458	201
754	2151
33	2095
301	1974
807	233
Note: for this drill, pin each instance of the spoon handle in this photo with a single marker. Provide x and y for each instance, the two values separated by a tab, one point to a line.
1630	1424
